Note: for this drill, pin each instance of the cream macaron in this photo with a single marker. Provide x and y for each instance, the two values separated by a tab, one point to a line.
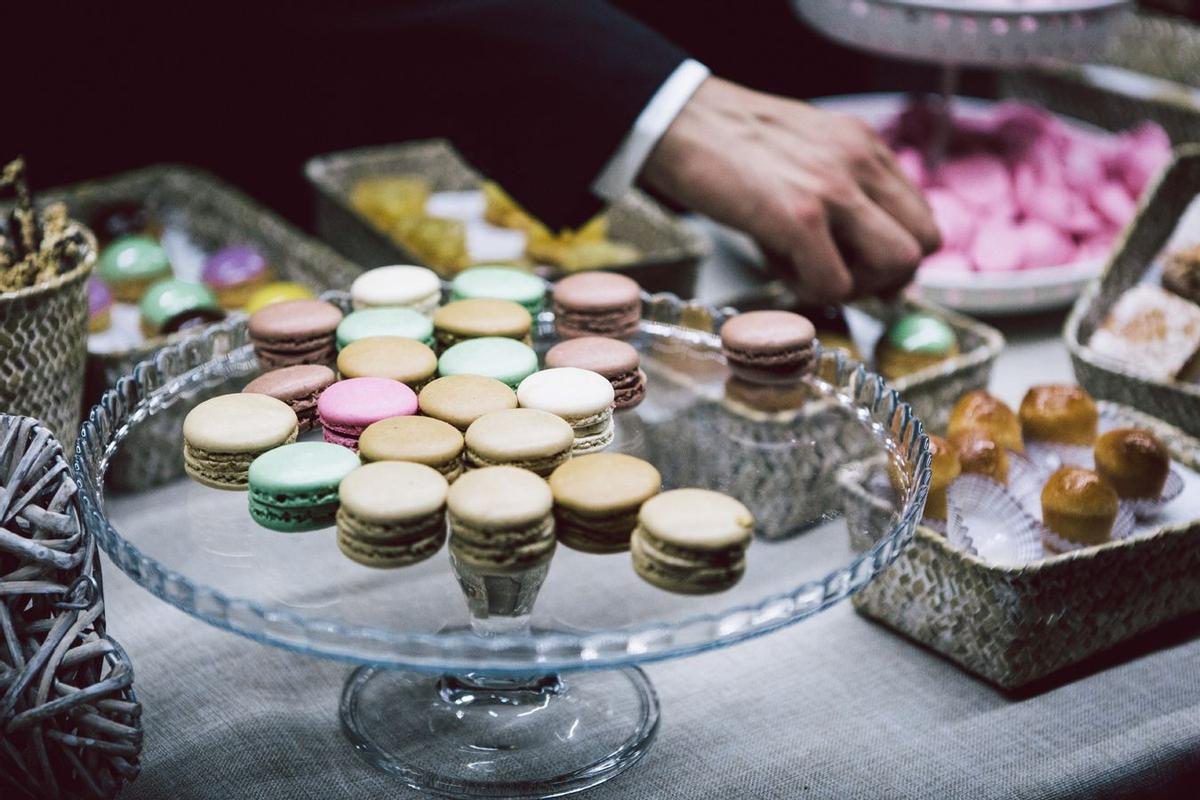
581	397
398	286
391	514
500	520
520	437
692	541
224	434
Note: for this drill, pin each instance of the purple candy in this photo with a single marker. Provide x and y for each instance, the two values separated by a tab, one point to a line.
99	297
233	265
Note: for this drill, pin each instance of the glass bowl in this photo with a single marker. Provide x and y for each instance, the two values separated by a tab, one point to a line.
532	690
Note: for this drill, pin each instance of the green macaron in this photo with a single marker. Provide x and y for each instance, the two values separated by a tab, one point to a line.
130	264
402	322
504	359
295	487
921	333
168	301
500	283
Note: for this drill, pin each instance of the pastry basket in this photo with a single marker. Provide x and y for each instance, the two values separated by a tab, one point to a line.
1015	625
1177	402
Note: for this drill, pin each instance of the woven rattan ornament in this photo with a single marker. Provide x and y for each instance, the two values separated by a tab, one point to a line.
70	724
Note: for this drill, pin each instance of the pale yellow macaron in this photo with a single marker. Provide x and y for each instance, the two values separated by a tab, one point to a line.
597	498
222	435
519	437
395	357
500	520
692	541
391	513
462	399
420	440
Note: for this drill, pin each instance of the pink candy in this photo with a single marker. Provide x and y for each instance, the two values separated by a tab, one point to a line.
1022	189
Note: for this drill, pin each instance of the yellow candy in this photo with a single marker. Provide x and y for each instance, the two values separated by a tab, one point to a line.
277	292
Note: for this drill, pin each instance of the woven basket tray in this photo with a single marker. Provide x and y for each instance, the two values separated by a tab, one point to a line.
1012	626
1176	402
213	214
671	250
1165	54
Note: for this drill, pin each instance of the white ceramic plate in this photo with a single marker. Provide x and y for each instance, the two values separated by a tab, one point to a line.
1017	292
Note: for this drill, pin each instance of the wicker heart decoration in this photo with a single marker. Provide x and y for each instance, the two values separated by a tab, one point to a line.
70	724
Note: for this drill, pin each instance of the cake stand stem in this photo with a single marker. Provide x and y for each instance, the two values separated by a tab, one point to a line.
500	733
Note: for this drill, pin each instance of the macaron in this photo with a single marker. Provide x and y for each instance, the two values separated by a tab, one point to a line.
473	319
769	346
403	322
234	273
224	434
419	440
100	302
506	360
519	437
393	357
173	305
581	397
347	407
391	514
615	360
912	343
459	400
692	541
500	283
277	292
597	304
500	520
295	487
597	499
404	286
130	264
294	332
299	386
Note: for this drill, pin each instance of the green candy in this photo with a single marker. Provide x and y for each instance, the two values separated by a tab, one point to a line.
500	283
132	258
403	322
921	333
166	300
506	360
295	487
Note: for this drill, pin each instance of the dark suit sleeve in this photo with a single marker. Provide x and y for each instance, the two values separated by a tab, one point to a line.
537	94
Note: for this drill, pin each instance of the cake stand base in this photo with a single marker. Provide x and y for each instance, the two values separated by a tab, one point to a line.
478	735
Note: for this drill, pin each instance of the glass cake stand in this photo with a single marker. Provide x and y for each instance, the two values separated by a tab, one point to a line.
524	686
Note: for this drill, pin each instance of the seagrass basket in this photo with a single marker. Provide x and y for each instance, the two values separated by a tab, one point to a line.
1015	625
1176	402
43	342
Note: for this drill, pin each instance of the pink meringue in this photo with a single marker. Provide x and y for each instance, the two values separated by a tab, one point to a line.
1043	245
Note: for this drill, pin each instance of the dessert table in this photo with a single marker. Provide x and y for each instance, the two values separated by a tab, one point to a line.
838	707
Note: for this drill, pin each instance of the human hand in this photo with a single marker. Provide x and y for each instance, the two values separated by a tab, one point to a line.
819	191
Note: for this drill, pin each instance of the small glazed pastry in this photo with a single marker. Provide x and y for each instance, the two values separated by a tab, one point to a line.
597	499
130	265
597	304
519	437
1153	332
459	400
299	386
692	541
419	440
504	359
500	283
984	411
945	467
277	292
391	514
234	273
173	305
912	343
100	301
769	346
461	320
295	487
1060	413
393	357
1079	506
980	454
581	397
1134	461
294	332
615	360
401	285
1181	274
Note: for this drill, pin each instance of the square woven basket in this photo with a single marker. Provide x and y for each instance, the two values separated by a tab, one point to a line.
1014	625
671	250
1176	402
213	214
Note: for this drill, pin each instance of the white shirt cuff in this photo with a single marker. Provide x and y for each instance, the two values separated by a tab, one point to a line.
623	167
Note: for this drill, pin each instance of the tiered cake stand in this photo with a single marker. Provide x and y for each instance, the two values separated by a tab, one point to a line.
525	688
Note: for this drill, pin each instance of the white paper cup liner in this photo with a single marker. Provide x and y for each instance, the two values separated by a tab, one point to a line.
1123	528
988	520
1150	508
1049	456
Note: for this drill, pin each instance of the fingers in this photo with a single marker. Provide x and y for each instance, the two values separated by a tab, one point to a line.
881	251
895	195
819	273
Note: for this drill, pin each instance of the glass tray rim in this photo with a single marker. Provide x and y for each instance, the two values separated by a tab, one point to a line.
171	370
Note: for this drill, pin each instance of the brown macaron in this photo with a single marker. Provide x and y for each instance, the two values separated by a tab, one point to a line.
295	332
597	304
418	440
394	357
462	399
474	319
769	346
614	359
299	386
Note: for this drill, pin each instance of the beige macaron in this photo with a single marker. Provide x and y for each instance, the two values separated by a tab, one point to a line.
462	399
394	357
391	514
692	541
597	498
420	440
476	318
519	437
222	435
501	520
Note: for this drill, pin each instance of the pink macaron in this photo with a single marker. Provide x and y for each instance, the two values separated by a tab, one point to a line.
347	407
